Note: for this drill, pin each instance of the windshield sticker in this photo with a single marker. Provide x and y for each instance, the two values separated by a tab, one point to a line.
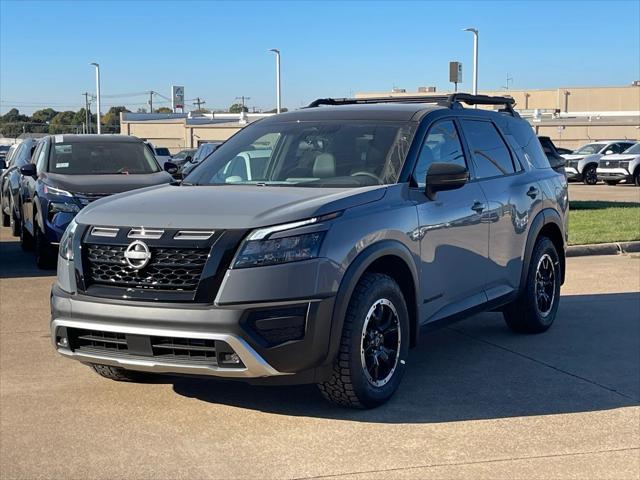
59	139
62	165
63	149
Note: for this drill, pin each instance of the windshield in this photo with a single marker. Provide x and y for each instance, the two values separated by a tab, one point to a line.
589	149
634	150
309	154
101	158
164	152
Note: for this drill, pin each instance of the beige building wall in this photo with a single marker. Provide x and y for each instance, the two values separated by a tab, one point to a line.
176	134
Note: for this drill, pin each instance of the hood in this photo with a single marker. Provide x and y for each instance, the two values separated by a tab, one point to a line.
593	156
225	206
105	184
620	157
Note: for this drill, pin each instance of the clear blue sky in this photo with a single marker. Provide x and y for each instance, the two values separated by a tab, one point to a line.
218	50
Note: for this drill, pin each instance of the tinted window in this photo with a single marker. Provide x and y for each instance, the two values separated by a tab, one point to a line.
96	157
619	147
491	157
589	149
164	152
634	150
40	157
442	145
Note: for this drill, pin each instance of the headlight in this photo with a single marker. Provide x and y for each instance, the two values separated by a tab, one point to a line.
55	207
66	243
56	191
255	253
624	165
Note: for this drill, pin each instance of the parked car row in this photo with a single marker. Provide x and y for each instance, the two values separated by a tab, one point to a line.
48	181
612	161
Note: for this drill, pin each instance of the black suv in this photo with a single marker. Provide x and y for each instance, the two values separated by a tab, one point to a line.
317	246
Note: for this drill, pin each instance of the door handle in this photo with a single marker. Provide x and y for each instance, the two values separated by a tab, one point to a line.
533	192
477	207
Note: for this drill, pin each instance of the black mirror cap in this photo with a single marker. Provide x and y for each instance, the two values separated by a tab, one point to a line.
171	168
445	176
28	170
188	158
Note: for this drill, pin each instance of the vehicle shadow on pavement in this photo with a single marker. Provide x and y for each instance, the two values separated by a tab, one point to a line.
16	263
478	369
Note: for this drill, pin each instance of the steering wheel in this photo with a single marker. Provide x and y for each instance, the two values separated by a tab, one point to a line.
367	174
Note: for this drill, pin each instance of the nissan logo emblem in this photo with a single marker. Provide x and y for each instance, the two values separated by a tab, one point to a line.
137	255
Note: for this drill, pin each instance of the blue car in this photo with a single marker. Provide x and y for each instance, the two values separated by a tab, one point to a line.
68	172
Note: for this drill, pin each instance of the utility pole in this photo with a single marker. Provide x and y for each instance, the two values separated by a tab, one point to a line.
97	66
199	102
87	112
243	98
475	58
151	101
278	89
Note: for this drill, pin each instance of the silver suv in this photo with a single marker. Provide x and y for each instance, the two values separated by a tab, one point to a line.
624	167
582	164
318	246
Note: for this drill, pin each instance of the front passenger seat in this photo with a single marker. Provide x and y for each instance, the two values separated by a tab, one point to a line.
324	166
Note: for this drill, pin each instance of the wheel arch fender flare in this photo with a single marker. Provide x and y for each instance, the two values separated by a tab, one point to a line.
362	262
546	217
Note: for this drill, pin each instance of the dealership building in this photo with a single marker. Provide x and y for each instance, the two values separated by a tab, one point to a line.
571	116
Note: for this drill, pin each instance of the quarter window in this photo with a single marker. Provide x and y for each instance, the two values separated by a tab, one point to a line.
491	156
442	145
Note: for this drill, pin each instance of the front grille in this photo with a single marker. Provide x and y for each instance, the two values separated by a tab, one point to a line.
609	163
86	198
166	349
168	269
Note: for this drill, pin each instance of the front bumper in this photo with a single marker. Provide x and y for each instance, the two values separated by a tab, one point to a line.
613	174
572	173
303	357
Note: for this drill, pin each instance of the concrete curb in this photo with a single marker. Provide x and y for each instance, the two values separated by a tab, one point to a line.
603	249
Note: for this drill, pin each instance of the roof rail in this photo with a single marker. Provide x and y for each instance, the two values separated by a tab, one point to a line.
449	101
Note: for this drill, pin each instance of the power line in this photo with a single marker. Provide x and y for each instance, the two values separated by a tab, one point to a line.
199	102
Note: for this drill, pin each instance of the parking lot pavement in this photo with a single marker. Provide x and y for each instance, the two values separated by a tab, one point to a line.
476	401
619	193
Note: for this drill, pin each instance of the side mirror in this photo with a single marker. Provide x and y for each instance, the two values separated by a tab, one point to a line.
28	170
3	164
445	176
188	158
608	152
171	168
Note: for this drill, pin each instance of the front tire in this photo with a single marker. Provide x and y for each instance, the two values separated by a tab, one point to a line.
590	175
118	374
6	219
535	309
14	223
636	178
45	254
374	345
26	239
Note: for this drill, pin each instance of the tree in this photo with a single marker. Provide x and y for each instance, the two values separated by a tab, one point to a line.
141	110
13	124
237	108
164	110
111	120
43	116
275	110
63	122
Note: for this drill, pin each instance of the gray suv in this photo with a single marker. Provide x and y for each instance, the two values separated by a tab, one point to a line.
318	246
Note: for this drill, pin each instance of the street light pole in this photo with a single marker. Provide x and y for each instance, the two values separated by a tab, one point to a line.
97	93
475	58
278	91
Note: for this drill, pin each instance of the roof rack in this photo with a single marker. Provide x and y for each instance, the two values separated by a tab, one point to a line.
453	100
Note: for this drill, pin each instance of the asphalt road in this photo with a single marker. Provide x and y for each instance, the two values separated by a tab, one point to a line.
477	402
619	193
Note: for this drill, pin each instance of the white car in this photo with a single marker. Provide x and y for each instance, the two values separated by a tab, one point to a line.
624	167
583	162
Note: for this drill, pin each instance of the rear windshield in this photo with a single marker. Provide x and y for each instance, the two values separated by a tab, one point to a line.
162	151
97	158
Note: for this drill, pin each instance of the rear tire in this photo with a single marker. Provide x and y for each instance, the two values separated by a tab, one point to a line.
535	309
14	222
118	374
6	219
374	345
636	178
589	175
611	183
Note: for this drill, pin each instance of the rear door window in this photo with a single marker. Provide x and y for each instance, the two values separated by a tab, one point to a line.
491	156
